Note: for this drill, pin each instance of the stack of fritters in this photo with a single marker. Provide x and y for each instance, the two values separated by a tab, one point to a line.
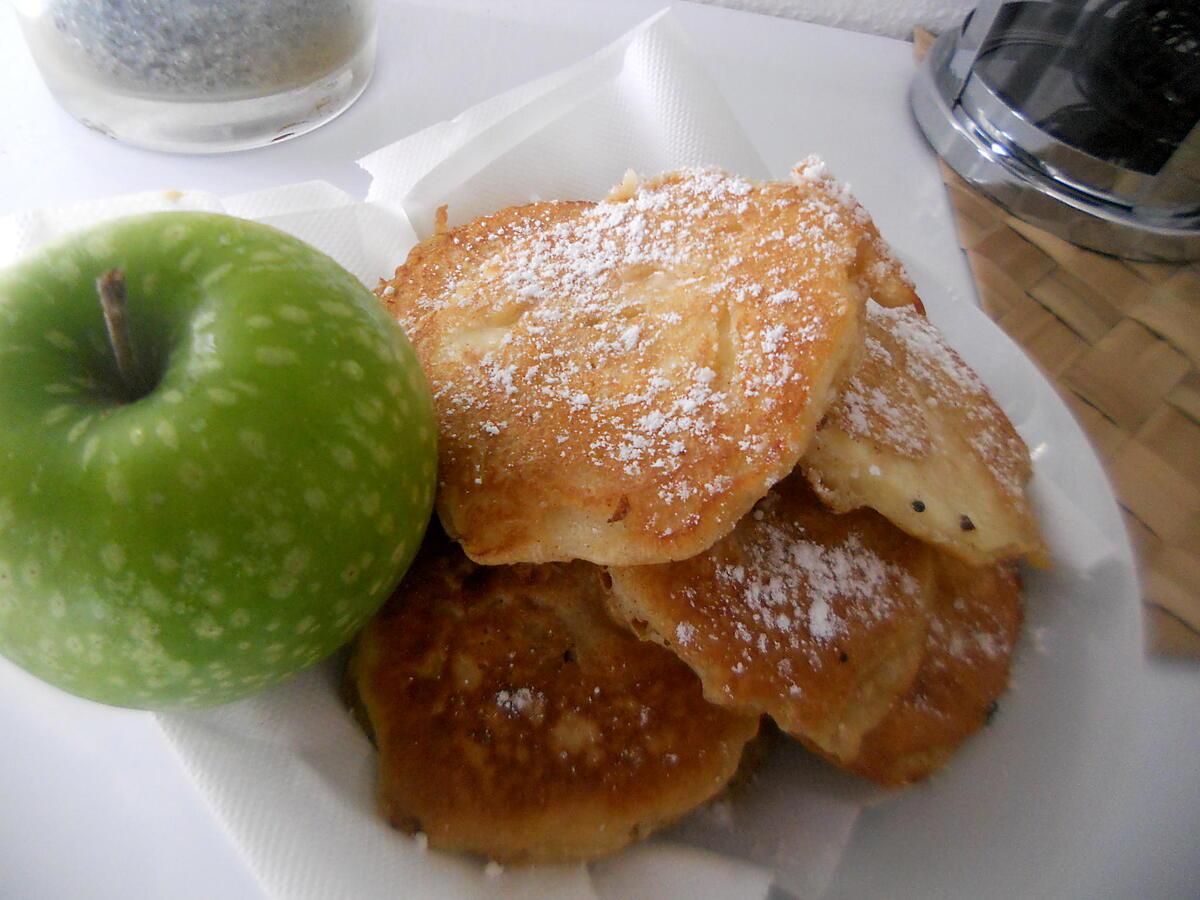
702	459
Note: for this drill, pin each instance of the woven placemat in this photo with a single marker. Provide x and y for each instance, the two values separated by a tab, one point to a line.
1120	341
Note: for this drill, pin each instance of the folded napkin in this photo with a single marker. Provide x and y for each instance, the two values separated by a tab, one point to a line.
644	102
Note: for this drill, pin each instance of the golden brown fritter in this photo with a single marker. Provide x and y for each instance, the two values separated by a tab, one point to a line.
917	436
973	629
620	382
815	619
515	720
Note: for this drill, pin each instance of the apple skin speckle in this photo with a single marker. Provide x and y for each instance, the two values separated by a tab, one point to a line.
276	356
193	545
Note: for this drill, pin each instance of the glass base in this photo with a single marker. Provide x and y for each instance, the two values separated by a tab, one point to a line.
202	126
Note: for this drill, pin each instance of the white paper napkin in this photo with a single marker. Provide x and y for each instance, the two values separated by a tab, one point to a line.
293	779
644	102
363	237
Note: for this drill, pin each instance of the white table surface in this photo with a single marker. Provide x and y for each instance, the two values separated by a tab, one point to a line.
93	803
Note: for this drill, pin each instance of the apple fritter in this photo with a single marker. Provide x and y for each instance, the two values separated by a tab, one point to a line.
813	618
620	382
515	720
917	436
973	629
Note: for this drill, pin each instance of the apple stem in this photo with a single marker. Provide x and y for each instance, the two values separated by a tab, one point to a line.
110	287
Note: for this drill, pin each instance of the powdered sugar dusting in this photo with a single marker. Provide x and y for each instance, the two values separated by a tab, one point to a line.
812	170
894	393
576	316
942	373
865	409
522	701
973	628
794	594
930	359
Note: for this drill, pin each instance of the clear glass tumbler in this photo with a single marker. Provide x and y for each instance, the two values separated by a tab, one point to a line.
1080	116
202	76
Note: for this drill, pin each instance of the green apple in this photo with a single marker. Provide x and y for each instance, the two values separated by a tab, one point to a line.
234	508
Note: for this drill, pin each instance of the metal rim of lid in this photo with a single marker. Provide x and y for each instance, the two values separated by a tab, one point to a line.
1081	218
